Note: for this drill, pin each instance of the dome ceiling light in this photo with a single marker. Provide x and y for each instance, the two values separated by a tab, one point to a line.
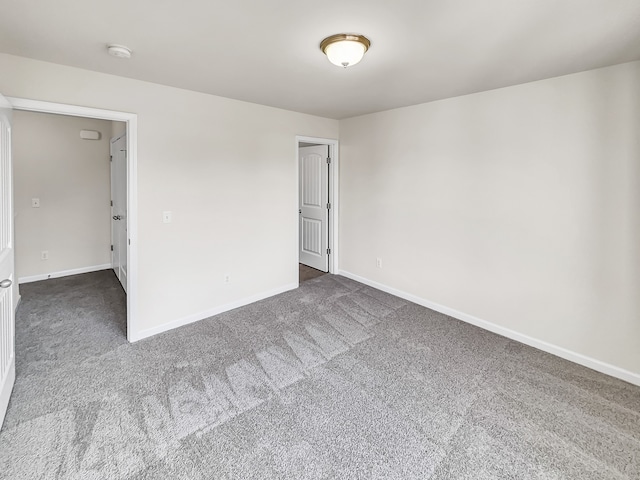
345	49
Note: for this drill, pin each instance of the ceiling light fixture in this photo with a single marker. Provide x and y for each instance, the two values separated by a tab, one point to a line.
119	51
345	49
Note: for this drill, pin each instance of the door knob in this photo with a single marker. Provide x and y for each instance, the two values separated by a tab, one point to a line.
5	283
117	217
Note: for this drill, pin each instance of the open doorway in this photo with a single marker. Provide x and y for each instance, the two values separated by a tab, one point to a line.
63	202
121	125
317	207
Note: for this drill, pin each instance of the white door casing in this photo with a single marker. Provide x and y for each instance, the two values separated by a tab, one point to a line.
7	272
119	208
131	119
313	206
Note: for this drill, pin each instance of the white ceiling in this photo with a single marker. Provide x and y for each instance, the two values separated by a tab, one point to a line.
266	51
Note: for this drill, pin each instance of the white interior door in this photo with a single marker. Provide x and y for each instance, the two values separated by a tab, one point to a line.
314	206
7	273
119	208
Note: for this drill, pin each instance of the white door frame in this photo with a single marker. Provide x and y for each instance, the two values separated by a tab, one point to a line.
131	120
333	197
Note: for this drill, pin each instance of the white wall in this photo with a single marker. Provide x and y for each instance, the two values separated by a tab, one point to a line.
519	206
118	128
71	177
226	169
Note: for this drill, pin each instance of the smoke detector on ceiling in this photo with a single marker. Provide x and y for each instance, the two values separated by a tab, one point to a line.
119	51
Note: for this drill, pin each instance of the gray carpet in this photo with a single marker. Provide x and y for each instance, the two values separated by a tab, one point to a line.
334	380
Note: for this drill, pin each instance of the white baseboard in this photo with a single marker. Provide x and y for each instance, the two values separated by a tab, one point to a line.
63	273
578	358
136	336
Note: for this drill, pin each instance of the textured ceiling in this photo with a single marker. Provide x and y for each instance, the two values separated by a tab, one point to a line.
267	51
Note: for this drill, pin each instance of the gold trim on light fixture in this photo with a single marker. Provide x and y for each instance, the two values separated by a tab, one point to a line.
341	37
340	51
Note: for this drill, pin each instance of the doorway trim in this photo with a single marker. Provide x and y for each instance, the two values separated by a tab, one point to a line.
334	188
131	120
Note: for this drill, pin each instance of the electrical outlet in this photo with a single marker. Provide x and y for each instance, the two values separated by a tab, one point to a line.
379	262
166	217
227	278
44	255
35	203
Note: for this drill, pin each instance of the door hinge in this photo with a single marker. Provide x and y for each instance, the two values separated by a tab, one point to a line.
328	159
112	248
328	251
112	203
328	206
111	158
